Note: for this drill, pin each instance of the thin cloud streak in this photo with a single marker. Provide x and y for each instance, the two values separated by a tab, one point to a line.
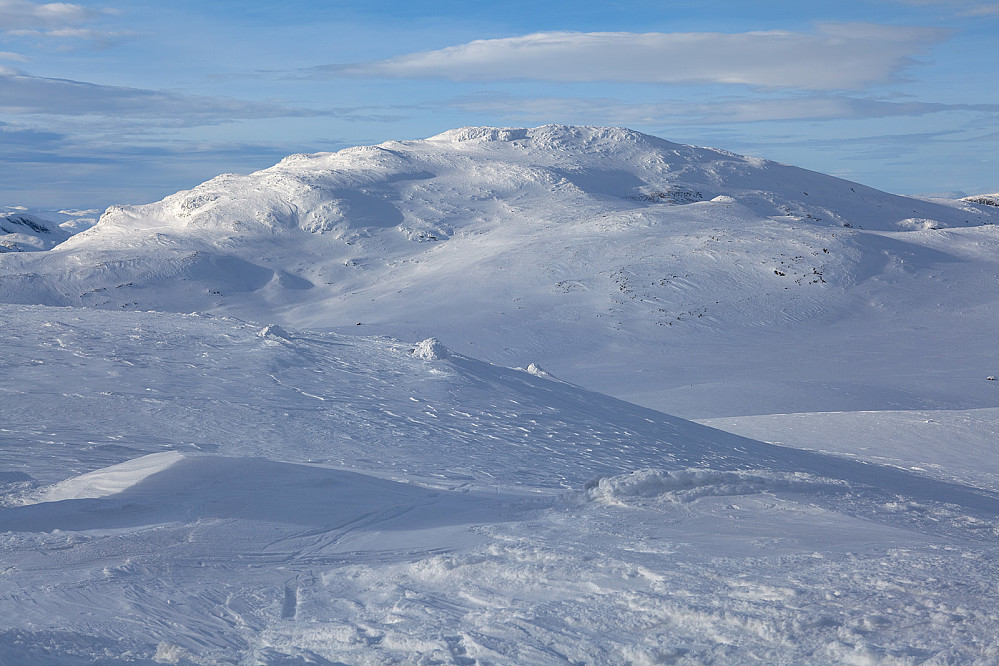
31	95
836	57
715	112
72	33
963	8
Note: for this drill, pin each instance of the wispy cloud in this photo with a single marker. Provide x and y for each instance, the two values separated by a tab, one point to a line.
963	8
14	136
20	14
874	147
835	56
54	20
32	95
716	111
72	33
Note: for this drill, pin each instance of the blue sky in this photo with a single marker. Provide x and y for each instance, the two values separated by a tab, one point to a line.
126	102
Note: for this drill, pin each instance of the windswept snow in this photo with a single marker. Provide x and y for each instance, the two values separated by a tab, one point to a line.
319	497
356	408
111	480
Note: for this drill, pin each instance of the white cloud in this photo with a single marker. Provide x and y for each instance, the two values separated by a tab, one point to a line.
19	14
836	56
17	57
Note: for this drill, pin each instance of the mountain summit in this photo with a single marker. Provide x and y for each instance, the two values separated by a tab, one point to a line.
427	188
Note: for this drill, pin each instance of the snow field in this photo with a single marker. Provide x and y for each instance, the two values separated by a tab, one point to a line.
221	441
447	511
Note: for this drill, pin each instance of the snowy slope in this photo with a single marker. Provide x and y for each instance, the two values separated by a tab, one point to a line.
580	248
193	489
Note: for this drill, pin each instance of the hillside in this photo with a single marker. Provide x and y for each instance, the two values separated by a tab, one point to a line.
580	248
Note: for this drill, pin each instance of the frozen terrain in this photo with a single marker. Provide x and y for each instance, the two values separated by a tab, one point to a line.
205	459
583	249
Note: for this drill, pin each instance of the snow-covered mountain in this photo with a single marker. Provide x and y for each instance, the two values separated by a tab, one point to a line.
204	458
580	248
22	232
984	199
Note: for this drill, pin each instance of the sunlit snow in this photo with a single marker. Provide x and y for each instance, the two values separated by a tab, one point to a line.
429	401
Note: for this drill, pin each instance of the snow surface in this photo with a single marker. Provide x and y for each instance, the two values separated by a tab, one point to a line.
204	458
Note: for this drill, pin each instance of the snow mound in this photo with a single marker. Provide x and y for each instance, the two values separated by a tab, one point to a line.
173	487
324	239
918	224
110	480
431	349
678	486
537	370
274	331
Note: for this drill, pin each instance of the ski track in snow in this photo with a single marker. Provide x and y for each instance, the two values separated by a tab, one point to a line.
263	481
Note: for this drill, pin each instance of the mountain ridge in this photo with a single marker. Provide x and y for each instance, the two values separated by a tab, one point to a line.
550	146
